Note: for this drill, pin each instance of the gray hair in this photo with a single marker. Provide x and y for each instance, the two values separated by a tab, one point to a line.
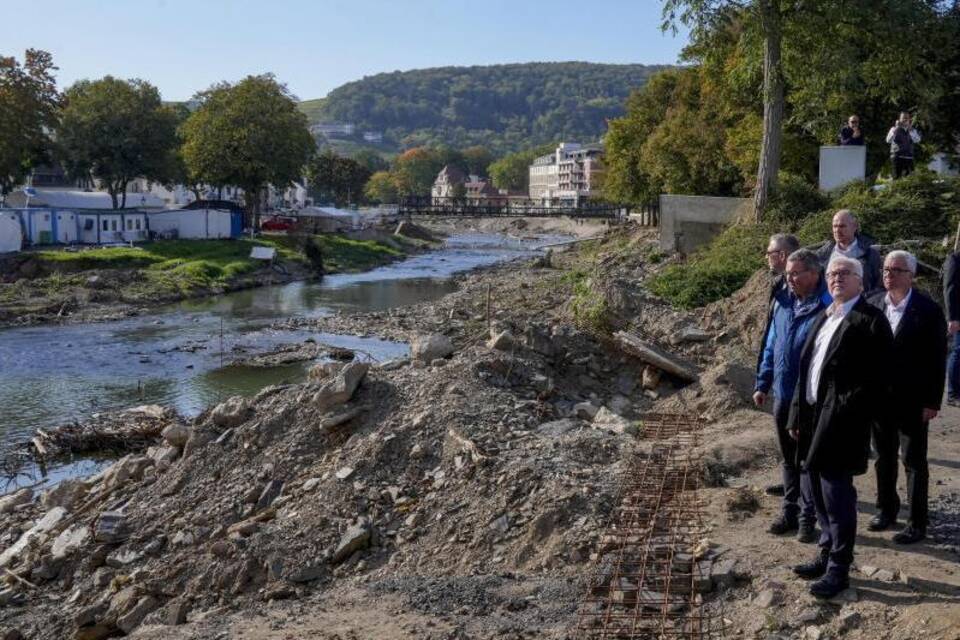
850	213
786	242
854	265
809	259
906	256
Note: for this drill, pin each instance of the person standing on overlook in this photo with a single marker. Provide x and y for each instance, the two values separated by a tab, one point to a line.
902	137
850	134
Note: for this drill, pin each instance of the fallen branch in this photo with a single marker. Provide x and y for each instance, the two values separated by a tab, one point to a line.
22	581
655	356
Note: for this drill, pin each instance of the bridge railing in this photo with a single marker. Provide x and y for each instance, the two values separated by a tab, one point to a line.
504	206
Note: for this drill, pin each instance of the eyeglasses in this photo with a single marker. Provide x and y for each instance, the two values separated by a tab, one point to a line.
795	274
895	270
840	275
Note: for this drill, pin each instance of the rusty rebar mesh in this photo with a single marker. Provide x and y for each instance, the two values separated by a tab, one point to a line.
648	581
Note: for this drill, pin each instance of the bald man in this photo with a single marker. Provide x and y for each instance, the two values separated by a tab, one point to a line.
849	242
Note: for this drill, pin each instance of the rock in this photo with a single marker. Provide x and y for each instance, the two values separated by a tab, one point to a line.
585	410
200	438
154	411
311	484
848	620
176	612
808	616
14	500
220	549
325	370
502	341
13	634
129	621
651	378
66	494
768	598
620	405
724	573
231	413
95	632
430	347
126	469
183	539
538	339
342	387
176	434
243	528
847	595
270	493
557	427
355	538
344	473
70	539
123	558
164	455
609	421
690	334
885	575
111	527
501	524
101	578
45	524
307	572
812	633
393	365
867	570
415	231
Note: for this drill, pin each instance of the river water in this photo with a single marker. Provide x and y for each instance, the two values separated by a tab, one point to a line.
180	355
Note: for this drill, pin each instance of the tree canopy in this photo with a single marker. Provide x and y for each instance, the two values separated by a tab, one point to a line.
512	171
29	104
337	179
115	131
248	134
503	107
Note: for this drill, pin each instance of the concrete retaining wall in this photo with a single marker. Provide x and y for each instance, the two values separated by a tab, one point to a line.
841	165
686	222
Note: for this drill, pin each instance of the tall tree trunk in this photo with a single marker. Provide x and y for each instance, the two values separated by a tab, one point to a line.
772	107
113	195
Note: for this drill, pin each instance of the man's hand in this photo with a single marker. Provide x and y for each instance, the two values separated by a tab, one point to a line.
953	327
794	433
759	397
929	414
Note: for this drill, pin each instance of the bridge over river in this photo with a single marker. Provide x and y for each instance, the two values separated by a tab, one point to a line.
504	207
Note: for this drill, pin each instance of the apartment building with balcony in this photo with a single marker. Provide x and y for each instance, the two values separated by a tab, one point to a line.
573	172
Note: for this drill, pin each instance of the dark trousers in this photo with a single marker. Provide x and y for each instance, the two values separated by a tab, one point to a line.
953	369
902	167
908	439
797	503
835	501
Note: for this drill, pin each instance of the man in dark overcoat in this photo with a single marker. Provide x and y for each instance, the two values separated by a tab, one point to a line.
841	391
916	374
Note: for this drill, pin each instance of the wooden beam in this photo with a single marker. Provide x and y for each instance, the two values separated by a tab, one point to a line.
651	354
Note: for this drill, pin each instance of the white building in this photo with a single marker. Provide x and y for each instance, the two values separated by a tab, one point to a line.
195	223
328	129
11	233
571	173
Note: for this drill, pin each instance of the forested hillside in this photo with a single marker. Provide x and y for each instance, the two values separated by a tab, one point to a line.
504	107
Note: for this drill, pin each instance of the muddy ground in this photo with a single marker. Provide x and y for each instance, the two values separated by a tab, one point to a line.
461	494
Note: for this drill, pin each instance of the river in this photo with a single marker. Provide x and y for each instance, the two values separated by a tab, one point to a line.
180	355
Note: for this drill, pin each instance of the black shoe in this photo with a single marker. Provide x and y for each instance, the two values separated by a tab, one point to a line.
774	490
829	585
807	533
881	522
783	525
812	570
910	534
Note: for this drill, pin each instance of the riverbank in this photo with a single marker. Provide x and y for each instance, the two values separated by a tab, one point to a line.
96	284
464	492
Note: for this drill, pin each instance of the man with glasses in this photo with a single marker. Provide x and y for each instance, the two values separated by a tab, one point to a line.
851	135
781	245
842	389
794	312
848	242
916	375
902	137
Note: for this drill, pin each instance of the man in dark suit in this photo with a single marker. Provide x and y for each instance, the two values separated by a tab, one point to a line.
916	376
779	248
849	242
842	390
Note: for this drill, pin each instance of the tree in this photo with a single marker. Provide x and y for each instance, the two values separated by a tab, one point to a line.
371	160
28	110
415	170
512	172
477	159
248	134
332	177
381	188
115	131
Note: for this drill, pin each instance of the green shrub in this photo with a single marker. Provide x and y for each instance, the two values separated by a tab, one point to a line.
589	307
717	269
796	199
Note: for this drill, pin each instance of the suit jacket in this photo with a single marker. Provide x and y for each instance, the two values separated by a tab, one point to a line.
834	433
951	285
870	259
919	356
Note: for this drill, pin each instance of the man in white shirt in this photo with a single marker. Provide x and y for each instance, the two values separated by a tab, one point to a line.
902	137
916	374
842	390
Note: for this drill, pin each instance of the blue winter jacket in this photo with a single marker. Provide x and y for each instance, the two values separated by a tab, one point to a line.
779	367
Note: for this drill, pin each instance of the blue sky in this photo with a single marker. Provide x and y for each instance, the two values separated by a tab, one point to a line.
184	46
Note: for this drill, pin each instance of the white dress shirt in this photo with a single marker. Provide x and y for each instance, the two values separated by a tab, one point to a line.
852	251
821	342
894	312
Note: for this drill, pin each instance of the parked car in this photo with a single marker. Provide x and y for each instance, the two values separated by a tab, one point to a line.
278	223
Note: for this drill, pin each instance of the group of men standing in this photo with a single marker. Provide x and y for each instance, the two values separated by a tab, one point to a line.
852	353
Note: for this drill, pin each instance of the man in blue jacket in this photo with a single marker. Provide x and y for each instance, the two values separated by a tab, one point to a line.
795	310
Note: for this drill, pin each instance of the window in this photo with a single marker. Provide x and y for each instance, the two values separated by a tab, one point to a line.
46	217
113	225
138	224
105	225
129	224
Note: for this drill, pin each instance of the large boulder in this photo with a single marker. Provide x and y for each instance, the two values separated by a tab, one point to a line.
127	468
14	500
342	387
66	494
233	412
431	347
176	434
609	421
51	519
70	540
354	539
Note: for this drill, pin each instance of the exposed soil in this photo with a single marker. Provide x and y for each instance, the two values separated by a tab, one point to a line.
460	495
